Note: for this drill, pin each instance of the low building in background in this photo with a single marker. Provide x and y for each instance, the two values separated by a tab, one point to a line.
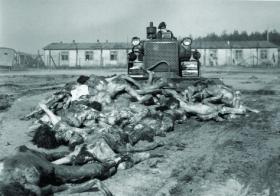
8	57
76	55
12	59
243	53
112	54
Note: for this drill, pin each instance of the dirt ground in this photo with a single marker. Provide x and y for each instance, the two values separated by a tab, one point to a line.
232	158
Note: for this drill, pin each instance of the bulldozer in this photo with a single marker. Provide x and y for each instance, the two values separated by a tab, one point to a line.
165	55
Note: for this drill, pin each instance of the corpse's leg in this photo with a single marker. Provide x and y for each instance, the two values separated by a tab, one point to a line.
201	110
90	185
186	106
241	110
190	92
251	109
131	80
56	155
37	111
228	110
49	156
67	189
116	89
214	116
70	174
132	149
212	99
68	158
151	77
150	90
82	154
238	104
57	97
133	93
136	158
139	157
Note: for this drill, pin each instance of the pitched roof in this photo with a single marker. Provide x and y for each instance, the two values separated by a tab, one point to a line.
209	44
87	46
196	44
253	44
232	44
7	49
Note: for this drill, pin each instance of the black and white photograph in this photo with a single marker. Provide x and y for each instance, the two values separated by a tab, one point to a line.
140	97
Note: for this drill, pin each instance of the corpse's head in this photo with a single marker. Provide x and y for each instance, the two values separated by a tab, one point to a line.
237	94
44	137
10	182
173	103
14	189
82	79
97	82
82	155
237	99
200	86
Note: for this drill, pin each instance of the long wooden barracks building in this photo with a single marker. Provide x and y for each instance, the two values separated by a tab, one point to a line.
114	54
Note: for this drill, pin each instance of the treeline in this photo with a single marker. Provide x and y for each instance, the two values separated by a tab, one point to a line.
273	36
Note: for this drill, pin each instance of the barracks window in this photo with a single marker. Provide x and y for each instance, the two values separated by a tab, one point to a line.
113	55
263	54
64	56
89	55
238	54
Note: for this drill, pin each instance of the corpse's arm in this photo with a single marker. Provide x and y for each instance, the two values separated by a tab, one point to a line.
150	77
53	118
212	99
131	80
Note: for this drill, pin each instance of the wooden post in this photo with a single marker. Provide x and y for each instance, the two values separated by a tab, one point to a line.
49	60
204	57
126	57
253	60
77	65
59	59
37	61
231	60
257	53
101	56
278	58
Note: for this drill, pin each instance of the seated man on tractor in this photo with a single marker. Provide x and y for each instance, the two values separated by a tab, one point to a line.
163	33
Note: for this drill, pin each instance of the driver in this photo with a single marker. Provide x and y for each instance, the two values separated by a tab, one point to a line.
162	30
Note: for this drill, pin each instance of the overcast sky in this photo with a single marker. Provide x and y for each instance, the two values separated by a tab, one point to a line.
29	25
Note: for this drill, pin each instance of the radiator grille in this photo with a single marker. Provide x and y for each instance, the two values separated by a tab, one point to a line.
161	51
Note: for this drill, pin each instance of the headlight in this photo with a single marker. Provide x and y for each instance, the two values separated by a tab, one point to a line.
135	41
187	41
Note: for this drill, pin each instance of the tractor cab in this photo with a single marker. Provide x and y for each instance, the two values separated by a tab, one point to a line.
163	54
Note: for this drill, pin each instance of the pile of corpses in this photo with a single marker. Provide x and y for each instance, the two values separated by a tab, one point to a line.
102	119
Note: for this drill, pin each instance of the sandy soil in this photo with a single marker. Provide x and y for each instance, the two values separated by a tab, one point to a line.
238	157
